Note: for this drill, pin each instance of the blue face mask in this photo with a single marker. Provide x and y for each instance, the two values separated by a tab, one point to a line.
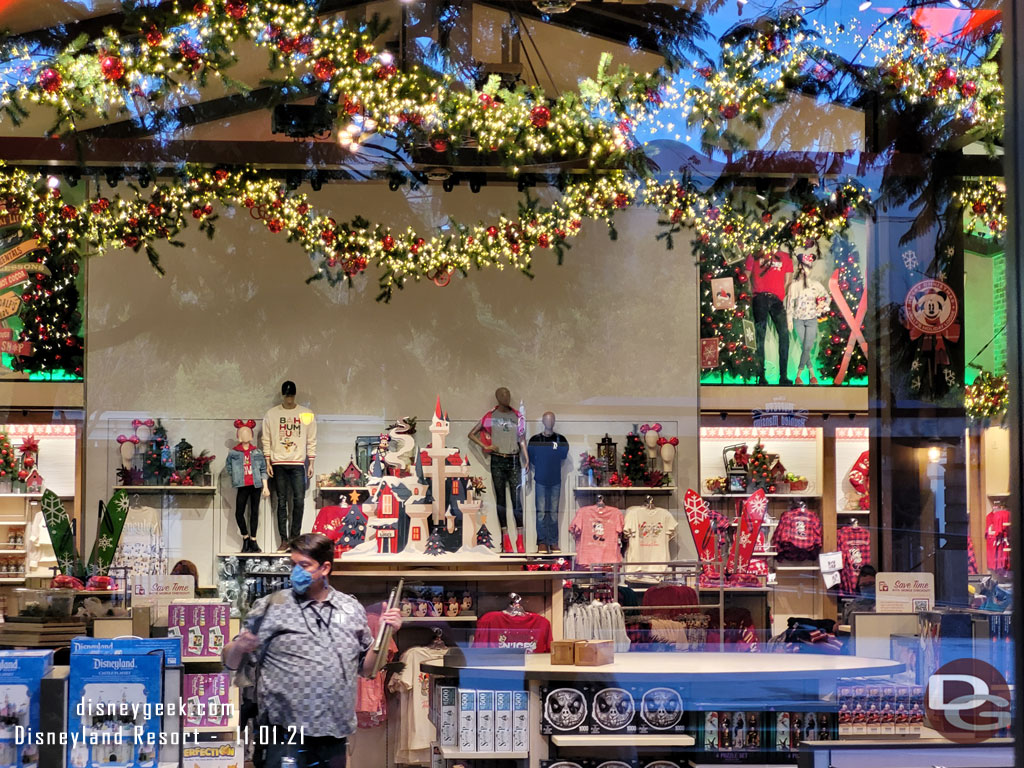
302	580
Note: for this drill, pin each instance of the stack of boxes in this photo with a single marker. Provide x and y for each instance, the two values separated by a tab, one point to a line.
470	720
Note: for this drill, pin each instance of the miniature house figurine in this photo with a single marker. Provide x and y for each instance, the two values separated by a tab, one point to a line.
34	482
352	475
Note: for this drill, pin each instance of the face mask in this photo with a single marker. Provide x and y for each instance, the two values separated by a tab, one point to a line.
302	580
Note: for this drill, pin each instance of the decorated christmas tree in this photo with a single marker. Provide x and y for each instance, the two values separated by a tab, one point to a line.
435	543
759	475
834	331
723	285
8	464
50	317
156	461
634	459
483	537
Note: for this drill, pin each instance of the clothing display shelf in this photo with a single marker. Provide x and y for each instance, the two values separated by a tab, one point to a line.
625	489
769	495
167	489
621	740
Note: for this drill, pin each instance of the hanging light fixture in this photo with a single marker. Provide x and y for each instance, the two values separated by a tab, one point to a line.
554	6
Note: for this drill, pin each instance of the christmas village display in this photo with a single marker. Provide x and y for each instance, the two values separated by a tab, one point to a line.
647	461
419	504
749	470
147	458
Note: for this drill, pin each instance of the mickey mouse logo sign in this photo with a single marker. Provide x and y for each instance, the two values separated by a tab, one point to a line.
931	307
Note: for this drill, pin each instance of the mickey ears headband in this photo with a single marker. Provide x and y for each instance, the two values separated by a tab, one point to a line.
251	423
656	427
136	423
128	439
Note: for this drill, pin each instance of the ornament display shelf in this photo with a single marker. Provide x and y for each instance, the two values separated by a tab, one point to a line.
166	488
624	489
23	496
808	495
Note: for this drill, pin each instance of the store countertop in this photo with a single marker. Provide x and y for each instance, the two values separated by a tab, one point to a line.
687	667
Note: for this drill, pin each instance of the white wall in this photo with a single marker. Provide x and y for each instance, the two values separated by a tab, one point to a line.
606	340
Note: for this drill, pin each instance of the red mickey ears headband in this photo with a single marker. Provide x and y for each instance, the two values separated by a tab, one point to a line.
251	423
668	440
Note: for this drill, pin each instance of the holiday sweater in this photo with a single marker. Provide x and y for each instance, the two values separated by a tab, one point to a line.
854	543
289	435
806	302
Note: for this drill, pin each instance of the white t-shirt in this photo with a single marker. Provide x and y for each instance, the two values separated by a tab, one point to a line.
415	729
649	531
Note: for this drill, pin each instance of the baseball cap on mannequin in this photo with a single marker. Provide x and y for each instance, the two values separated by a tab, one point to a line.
288	389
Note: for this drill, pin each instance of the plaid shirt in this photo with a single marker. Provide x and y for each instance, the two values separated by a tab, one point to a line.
307	668
855	545
798	535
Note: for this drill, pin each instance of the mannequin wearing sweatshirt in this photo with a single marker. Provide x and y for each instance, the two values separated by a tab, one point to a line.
247	468
806	299
289	444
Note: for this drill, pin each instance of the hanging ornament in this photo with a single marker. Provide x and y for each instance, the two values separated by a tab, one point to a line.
539	116
236	9
50	80
323	69
112	68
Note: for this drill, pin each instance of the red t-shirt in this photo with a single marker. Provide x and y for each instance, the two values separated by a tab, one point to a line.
769	276
246	461
997	549
498	629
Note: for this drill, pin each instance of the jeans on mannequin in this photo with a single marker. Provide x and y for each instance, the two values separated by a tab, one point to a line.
290	483
547	497
311	752
807	333
506	472
248	495
767	305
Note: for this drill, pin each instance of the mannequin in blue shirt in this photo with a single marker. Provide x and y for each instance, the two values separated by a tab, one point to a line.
547	450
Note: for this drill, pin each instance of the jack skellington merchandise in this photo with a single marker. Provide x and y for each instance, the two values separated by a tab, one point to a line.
661	711
565	709
613	710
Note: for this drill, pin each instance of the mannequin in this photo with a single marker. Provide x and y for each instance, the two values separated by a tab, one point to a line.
289	444
770	275
806	301
547	451
247	468
501	434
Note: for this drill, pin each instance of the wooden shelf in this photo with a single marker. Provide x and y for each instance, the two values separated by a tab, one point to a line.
166	488
201	659
768	553
11	580
624	489
453	753
797	567
22	496
769	495
622	740
431	619
12	551
457	575
853	512
343	488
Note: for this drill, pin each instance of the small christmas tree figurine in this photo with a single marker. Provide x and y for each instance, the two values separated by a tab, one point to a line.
8	465
435	544
634	460
483	537
156	461
760	475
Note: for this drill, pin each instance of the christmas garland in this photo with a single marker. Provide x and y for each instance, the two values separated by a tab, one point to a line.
987	398
984	205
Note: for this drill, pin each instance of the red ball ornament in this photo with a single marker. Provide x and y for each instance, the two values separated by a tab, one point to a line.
844	285
766	218
154	36
979	208
130	241
200	9
388	242
731	346
861	369
946	78
361	55
236	9
275	225
323	69
515	247
836	339
439	143
741	278
327	236
112	68
207	209
249	202
302	209
729	111
492	232
969	89
69	212
486	100
676	216
539	116
197	213
50	80
542	241
386	71
621	200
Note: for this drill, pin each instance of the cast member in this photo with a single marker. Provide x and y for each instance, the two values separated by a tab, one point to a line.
501	433
289	442
770	276
547	451
806	301
247	469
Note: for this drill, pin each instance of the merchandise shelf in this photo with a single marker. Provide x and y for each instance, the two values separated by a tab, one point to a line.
23	496
166	488
808	495
625	489
452	753
621	740
432	619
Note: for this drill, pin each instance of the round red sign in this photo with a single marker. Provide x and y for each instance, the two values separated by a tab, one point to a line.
967	701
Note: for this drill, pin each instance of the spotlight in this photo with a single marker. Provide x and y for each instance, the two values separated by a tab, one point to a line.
723	415
52	182
554	6
448	184
144	179
73	176
525	181
438	173
113	177
394	183
824	416
316	181
475	183
293	179
852	416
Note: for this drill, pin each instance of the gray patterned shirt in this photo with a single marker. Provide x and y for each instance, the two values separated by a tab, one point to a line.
309	661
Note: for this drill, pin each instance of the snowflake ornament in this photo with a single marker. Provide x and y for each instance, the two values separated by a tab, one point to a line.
104	542
909	260
950	377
